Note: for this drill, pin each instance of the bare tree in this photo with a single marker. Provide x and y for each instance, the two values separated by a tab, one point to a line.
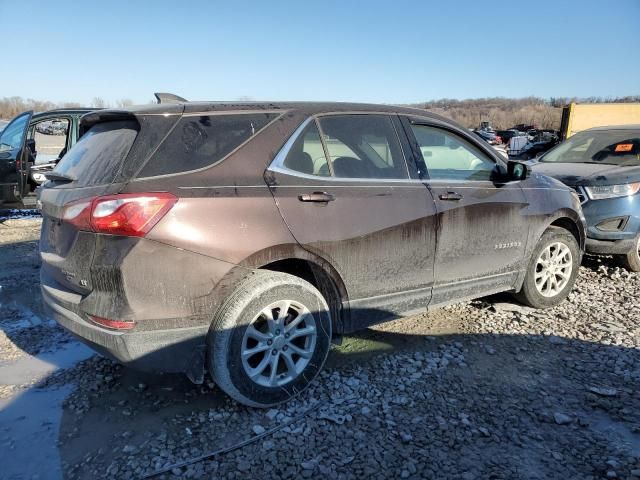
124	102
99	102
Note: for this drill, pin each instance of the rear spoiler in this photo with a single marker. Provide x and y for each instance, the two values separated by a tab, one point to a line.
169	98
90	119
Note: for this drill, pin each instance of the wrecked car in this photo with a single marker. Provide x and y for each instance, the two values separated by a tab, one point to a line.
242	239
603	165
23	161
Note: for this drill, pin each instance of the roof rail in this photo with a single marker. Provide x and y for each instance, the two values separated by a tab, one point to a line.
169	98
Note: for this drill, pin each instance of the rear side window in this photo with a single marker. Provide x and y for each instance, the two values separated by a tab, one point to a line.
96	158
201	141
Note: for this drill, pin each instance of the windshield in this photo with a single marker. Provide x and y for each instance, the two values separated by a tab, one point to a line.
607	147
11	137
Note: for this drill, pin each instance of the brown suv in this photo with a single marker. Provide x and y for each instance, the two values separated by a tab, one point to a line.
241	238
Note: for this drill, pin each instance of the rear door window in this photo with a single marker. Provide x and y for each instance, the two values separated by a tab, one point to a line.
307	154
363	146
96	158
202	141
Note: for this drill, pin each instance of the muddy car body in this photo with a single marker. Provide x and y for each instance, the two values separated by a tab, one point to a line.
250	220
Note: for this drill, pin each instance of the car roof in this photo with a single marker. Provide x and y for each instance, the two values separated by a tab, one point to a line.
305	108
67	111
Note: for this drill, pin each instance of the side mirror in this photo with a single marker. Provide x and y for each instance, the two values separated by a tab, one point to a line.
517	170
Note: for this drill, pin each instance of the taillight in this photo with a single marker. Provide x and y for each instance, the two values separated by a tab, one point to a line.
114	324
128	214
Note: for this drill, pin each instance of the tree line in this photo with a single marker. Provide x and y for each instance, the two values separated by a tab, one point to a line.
501	112
504	113
12	106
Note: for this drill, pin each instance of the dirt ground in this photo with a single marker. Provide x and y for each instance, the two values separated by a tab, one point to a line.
486	389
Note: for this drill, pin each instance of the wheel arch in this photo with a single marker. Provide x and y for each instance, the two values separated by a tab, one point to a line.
572	226
319	273
566	219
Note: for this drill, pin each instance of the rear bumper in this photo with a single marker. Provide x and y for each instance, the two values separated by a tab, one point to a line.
175	350
611	247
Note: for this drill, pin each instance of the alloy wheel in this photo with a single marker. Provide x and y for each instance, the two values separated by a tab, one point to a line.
278	343
553	269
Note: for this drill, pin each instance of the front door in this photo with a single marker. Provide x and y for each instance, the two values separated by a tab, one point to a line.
344	189
14	158
482	223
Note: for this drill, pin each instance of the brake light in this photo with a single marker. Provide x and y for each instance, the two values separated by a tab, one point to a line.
114	324
129	214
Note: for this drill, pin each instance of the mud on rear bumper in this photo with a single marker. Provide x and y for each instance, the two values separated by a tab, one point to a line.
178	350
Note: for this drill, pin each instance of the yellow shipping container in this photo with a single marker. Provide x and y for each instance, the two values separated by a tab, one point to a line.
581	116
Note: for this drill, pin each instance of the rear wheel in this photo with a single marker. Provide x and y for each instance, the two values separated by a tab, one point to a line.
631	261
552	270
270	339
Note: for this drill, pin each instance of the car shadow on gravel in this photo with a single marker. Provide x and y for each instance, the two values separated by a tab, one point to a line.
451	406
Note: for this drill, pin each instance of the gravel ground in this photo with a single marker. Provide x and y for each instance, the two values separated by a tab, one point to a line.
486	389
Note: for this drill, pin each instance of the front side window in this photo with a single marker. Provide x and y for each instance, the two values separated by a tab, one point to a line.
363	146
449	157
11	138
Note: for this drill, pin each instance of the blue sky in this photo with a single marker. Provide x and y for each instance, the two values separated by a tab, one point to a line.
390	51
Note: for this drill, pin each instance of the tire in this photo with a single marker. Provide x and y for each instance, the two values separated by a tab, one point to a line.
241	320
556	240
7	195
631	261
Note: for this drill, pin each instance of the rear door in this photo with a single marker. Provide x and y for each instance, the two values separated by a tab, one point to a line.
483	228
14	157
345	190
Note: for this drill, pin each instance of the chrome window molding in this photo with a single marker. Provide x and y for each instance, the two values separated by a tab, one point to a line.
277	165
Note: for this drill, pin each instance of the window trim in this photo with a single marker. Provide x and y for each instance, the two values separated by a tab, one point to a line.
277	165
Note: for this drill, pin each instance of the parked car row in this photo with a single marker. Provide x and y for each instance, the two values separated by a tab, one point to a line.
52	127
282	226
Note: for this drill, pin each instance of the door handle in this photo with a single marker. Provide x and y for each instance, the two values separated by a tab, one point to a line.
453	196
317	197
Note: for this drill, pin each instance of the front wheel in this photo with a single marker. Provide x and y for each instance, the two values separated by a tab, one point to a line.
270	339
552	270
631	261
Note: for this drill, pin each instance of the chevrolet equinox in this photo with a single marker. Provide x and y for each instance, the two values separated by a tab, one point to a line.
240	239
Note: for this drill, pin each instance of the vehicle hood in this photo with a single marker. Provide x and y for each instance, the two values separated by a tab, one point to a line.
574	174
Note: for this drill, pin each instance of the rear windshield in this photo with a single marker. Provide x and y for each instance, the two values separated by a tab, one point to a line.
202	141
97	156
606	147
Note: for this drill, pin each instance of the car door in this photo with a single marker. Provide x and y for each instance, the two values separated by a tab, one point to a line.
344	189
482	224
14	157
